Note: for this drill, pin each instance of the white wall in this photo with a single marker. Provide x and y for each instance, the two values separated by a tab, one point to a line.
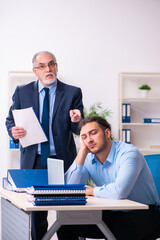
93	40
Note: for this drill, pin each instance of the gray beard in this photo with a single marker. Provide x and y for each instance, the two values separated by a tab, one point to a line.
49	82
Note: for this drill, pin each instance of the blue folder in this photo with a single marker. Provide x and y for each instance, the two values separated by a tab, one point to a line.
21	179
71	201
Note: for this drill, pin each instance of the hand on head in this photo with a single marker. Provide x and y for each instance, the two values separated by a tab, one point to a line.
83	146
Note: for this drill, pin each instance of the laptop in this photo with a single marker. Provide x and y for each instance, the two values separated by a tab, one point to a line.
55	171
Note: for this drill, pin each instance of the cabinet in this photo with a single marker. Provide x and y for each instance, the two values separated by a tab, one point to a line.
16	78
146	136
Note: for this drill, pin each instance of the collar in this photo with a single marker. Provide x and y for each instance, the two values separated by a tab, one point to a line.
51	88
109	158
111	153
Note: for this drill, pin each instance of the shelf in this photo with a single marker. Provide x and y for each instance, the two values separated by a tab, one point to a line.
139	74
140	99
141	124
14	149
16	78
143	135
147	151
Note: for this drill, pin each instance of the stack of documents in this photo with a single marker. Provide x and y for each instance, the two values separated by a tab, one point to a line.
65	194
27	119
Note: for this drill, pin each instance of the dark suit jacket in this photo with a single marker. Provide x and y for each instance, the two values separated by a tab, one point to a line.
67	97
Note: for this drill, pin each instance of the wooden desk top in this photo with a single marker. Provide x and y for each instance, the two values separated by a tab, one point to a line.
93	203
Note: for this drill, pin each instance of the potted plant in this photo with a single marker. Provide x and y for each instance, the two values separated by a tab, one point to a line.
97	110
145	88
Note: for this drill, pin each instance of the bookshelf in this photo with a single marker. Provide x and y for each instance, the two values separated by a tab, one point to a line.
16	78
144	135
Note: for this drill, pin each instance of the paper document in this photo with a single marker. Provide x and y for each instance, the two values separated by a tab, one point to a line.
55	171
27	119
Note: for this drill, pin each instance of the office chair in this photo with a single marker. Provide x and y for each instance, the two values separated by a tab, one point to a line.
153	162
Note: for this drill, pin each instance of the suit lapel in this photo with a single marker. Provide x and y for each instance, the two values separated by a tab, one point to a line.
59	94
35	98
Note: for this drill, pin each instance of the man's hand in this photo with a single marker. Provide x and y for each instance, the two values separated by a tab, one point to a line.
83	151
18	132
75	115
83	145
89	191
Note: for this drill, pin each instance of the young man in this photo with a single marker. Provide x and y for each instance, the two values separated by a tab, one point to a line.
119	171
62	104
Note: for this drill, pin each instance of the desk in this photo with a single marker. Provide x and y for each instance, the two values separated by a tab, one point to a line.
15	211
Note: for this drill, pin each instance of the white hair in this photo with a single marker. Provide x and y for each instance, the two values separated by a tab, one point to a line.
42	52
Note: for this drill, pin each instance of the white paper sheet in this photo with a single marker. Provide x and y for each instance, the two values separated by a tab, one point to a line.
55	171
27	119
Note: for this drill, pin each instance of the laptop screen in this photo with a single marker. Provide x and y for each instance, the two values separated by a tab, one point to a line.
55	171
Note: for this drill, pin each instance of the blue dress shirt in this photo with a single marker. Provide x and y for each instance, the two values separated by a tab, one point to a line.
52	95
124	174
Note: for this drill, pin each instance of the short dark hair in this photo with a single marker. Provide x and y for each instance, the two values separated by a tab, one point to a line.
101	122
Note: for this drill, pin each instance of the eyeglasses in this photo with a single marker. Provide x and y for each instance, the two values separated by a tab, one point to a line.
44	66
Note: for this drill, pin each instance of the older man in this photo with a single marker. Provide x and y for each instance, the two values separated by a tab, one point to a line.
59	108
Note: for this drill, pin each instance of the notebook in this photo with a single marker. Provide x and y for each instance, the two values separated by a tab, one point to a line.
57	189
69	201
66	194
